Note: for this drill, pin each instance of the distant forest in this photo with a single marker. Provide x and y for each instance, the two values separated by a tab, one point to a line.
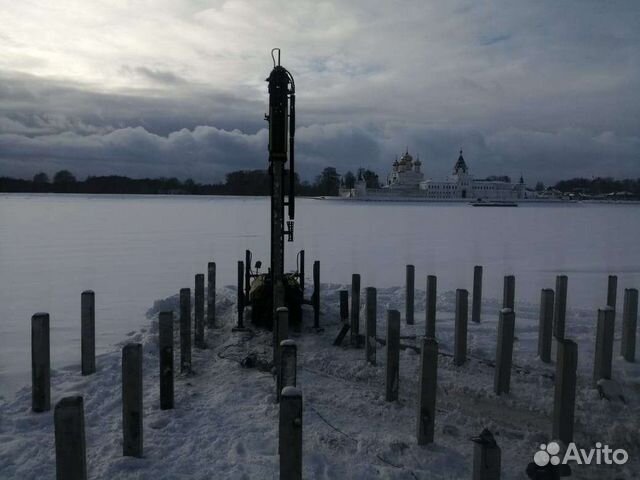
256	182
599	186
241	182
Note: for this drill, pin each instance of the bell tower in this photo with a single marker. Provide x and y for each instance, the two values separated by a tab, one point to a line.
460	166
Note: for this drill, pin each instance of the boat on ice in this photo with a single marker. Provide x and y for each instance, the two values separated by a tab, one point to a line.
494	203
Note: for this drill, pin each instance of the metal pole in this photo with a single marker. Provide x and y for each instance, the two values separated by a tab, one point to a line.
247	274
460	329
71	452
546	324
40	363
476	303
504	352
509	292
316	294
427	390
344	306
565	391
560	306
211	295
629	324
165	344
281	330
355	309
132	400
185	330
240	288
393	355
612	290
290	434
198	316
88	332
432	281
604	344
410	293
486	457
287	370
371	314
279	118
301	270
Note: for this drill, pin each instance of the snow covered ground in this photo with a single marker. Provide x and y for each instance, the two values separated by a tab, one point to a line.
225	421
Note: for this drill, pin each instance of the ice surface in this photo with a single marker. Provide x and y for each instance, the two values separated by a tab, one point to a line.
132	250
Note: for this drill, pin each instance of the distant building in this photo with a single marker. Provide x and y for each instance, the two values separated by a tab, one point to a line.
461	184
407	180
405	174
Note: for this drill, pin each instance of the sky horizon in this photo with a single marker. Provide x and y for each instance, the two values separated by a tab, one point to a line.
548	89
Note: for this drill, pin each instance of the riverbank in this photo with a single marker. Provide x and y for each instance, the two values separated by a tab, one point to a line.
462	201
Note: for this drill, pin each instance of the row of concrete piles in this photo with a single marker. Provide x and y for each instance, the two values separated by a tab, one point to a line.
69	414
551	324
69	411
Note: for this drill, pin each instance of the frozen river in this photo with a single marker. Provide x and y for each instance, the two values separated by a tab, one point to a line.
133	250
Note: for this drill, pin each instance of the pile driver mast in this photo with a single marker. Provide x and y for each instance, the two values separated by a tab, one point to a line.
281	118
266	292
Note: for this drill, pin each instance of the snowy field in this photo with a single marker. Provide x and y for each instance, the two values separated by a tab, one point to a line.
224	424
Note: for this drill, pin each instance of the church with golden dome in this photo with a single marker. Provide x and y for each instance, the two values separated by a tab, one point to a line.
407	181
405	173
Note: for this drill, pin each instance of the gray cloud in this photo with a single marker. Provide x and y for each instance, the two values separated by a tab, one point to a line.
545	88
164	77
28	99
206	153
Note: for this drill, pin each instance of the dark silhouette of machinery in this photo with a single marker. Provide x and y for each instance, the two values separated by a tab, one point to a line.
266	292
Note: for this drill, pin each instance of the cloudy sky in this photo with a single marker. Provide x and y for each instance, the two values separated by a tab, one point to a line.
549	89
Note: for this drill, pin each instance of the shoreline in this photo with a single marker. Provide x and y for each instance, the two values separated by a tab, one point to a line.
468	201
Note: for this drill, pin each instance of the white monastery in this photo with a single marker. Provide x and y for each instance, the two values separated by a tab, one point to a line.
406	180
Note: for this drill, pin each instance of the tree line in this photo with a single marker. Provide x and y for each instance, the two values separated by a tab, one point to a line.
599	186
257	182
241	182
